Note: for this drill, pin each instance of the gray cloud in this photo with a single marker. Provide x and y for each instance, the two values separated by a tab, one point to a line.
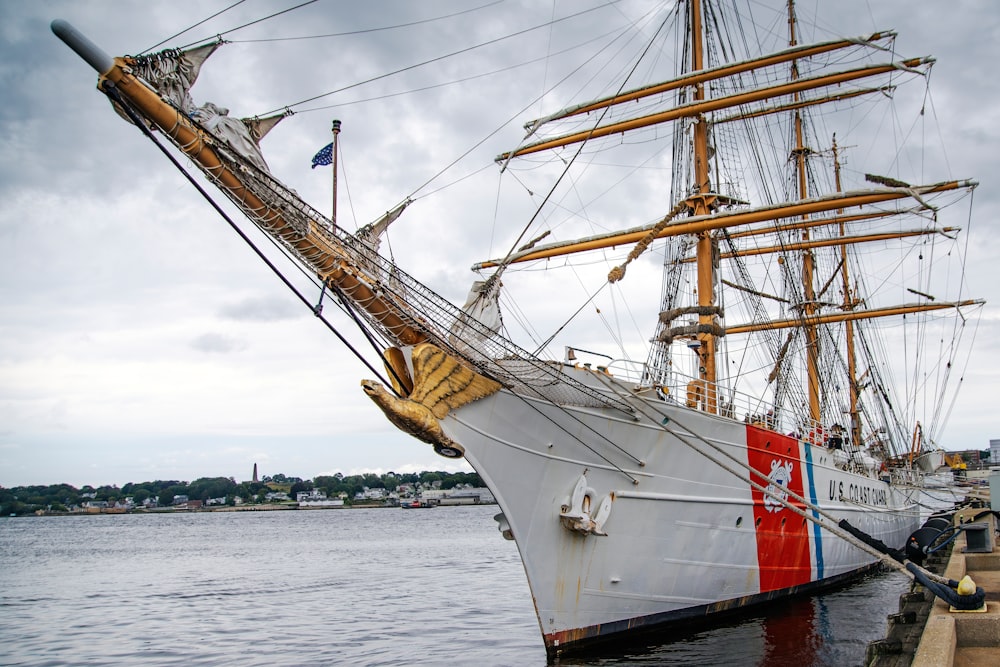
216	343
261	309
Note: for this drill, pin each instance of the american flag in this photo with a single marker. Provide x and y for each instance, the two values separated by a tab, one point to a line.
325	156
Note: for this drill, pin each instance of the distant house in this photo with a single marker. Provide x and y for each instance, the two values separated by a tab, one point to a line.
95	504
370	494
314	494
179	499
276	495
216	501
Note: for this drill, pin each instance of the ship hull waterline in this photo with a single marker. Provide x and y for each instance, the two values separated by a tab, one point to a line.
683	537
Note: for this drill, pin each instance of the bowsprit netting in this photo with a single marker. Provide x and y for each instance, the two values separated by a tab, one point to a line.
313	240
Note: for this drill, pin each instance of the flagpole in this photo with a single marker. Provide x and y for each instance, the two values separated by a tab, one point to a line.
336	133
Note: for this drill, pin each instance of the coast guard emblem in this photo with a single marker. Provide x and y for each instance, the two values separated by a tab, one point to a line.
781	477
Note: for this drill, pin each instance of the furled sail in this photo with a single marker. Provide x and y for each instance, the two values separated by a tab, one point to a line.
259	127
371	233
233	131
172	73
483	303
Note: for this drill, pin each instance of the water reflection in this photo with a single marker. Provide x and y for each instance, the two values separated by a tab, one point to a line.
831	630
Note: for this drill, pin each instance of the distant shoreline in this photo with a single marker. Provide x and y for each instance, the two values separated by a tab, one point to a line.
264	507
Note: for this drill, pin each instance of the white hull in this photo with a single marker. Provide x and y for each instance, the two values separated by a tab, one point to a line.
689	538
931	461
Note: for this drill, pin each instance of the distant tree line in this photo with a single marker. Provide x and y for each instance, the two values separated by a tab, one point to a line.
62	497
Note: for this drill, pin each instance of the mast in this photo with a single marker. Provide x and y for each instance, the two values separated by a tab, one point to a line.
700	205
848	305
808	264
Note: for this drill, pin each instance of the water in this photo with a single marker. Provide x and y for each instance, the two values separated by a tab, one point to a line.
343	587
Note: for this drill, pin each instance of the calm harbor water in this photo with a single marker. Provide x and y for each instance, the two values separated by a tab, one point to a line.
343	587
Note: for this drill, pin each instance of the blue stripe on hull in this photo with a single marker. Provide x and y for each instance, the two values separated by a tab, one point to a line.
817	531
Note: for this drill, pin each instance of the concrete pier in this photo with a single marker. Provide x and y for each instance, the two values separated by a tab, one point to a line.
966	639
905	628
925	632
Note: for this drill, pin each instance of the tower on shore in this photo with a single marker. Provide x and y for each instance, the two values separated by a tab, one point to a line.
255	473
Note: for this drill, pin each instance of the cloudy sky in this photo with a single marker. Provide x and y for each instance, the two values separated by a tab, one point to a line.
140	339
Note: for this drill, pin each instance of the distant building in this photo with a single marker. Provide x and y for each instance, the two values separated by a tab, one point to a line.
309	499
995	452
433	494
469	496
371	494
179	499
255	473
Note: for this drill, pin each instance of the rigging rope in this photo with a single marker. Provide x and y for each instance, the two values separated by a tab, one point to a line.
518	113
517	242
112	92
367	30
254	22
174	36
462	80
436	59
836	529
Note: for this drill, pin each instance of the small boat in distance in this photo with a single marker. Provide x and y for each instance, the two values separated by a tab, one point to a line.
710	470
414	503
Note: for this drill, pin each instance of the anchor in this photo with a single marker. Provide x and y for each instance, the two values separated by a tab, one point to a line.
578	514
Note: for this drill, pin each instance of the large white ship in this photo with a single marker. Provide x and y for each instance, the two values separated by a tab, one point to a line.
711	475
